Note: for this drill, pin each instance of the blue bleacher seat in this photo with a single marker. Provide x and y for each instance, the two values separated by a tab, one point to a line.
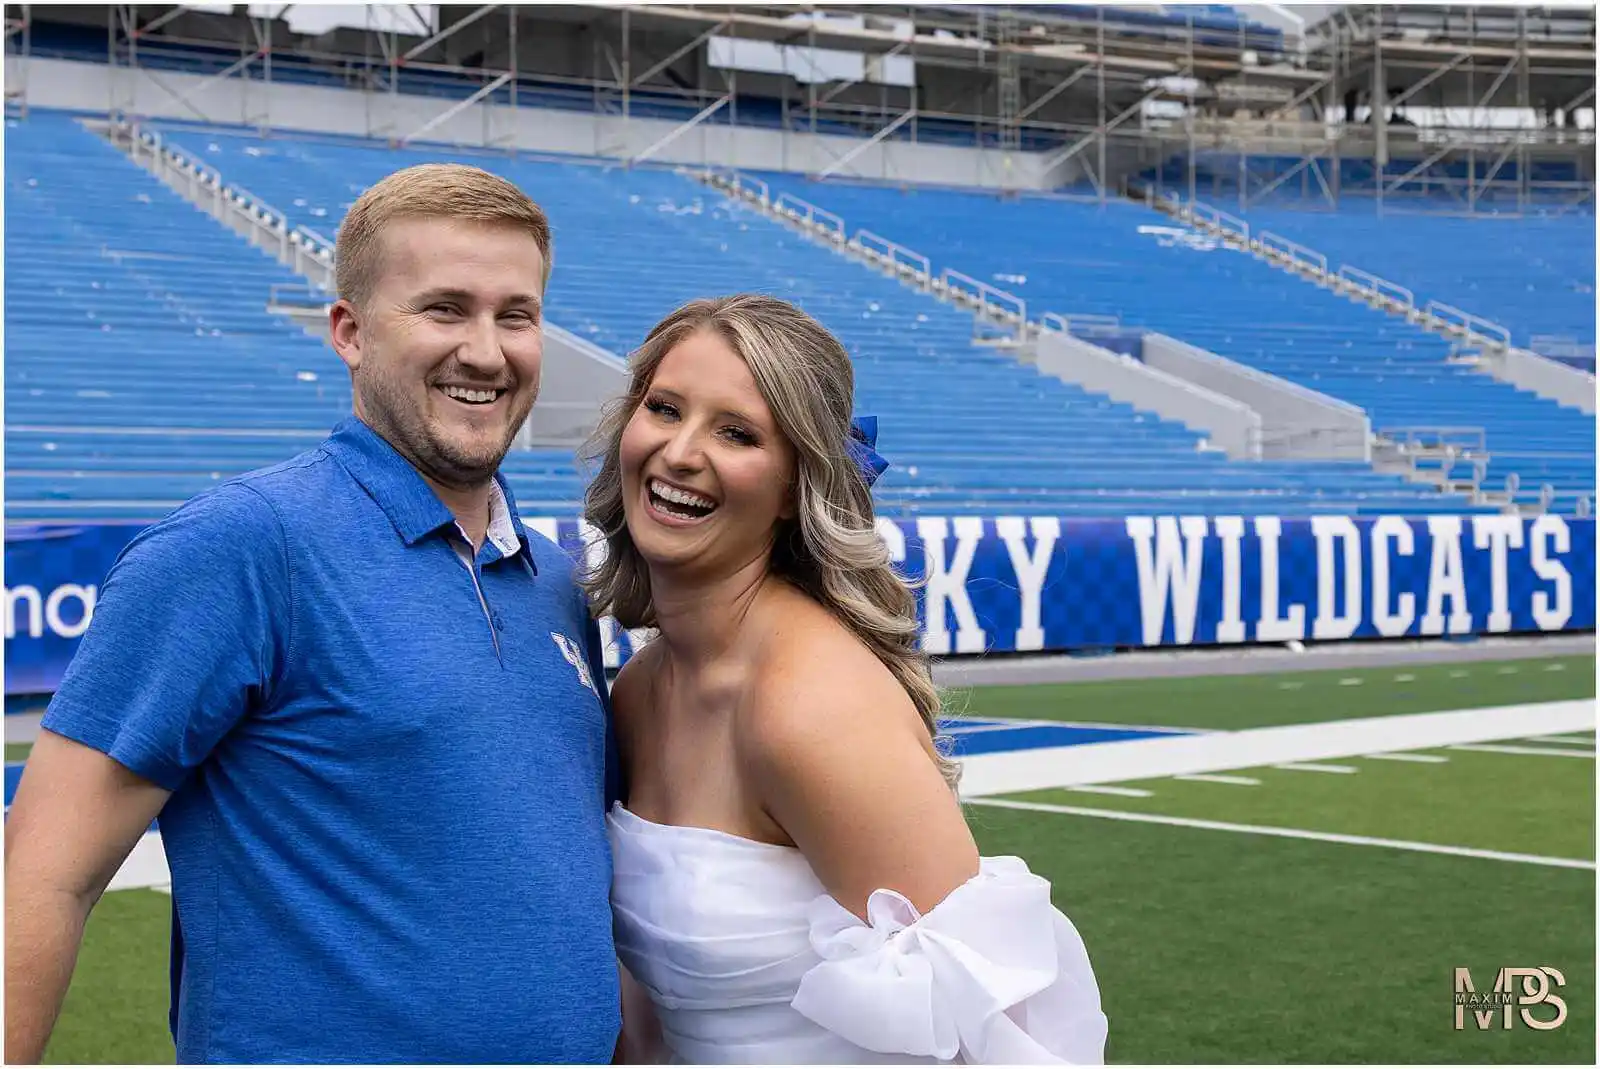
178	378
1073	257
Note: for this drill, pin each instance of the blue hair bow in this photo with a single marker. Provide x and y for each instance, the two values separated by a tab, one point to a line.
861	446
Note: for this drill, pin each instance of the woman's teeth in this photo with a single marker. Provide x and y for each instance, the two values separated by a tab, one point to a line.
689	506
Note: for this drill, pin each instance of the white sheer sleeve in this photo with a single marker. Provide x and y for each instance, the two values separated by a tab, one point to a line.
993	974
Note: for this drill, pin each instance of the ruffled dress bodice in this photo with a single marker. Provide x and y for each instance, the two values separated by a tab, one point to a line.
749	960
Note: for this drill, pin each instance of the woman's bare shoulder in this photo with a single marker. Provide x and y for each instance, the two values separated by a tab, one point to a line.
842	761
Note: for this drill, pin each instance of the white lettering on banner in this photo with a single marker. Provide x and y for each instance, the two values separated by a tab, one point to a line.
1447	578
46	614
1497	534
29	596
949	584
1272	627
1158	566
1329	624
1390	624
546	526
1231	530
1030	569
893	537
1551	616
594	555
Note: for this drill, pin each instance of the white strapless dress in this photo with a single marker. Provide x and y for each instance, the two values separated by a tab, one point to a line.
749	960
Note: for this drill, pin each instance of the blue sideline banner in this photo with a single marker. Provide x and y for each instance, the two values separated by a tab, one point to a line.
1045	584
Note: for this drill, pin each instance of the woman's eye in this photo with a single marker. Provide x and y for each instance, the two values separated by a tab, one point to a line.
660	408
739	435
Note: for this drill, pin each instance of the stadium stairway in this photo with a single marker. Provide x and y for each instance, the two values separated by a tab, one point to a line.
1539	276
968	429
1533	275
1128	261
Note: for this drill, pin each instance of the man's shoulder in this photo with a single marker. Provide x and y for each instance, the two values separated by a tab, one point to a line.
290	485
248	506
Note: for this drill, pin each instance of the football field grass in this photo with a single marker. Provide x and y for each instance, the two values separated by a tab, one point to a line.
1303	913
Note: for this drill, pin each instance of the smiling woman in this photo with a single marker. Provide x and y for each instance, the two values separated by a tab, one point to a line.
785	811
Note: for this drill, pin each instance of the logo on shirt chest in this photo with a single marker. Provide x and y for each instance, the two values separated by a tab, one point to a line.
574	656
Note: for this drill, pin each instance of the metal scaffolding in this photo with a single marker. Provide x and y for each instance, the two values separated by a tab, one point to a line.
1087	101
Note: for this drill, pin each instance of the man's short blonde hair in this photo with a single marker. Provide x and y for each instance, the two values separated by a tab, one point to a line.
428	191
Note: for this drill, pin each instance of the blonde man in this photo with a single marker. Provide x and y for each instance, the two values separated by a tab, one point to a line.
365	703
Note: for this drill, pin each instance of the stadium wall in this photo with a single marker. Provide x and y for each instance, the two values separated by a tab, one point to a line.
1046	584
1233	426
1297	422
90	87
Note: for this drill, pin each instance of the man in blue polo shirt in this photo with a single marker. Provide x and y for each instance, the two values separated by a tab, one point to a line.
366	704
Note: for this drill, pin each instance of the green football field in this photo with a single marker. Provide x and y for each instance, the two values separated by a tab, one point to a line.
1309	912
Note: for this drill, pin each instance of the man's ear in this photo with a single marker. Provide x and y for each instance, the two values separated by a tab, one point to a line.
344	328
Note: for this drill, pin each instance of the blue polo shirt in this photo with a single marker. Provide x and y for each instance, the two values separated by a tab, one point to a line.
389	763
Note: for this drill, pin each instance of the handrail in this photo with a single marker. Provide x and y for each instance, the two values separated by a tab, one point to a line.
1093	322
299	234
1415	435
1465	321
1381	287
893	252
207	173
1218	219
1267	240
1194	212
984	291
739	180
736	181
808	212
306	251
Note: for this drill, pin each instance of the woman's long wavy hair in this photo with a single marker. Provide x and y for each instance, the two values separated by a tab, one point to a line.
830	549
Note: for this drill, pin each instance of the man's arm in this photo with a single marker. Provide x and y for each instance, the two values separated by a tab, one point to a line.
190	631
76	816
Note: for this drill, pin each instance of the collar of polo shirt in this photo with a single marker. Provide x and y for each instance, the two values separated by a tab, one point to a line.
406	498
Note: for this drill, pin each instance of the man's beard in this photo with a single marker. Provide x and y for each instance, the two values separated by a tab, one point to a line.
405	427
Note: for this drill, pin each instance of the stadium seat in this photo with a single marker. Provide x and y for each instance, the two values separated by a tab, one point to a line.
1121	259
160	295
976	431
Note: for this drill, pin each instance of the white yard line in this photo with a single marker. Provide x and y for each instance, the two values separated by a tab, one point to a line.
1290	833
1340	770
1237	781
1414	758
979	729
23	727
1526	751
1562	740
1120	792
1223	751
146	866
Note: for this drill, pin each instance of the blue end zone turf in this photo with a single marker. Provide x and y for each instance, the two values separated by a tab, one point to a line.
1036	737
